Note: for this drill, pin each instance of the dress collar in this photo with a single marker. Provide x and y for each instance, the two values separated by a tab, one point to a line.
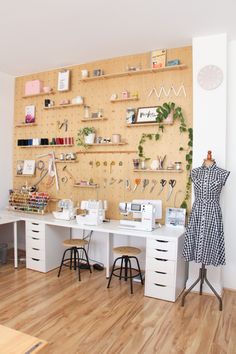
211	167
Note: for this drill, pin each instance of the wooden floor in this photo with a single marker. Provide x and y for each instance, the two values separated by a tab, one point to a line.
87	317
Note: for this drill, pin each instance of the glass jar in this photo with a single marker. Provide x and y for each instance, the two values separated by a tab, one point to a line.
178	165
86	112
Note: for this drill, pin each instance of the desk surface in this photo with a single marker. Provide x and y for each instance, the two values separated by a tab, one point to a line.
167	232
12	341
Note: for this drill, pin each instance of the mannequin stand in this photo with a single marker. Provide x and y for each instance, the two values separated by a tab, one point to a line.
202	277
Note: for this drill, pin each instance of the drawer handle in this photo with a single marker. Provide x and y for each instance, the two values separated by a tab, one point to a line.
35	249
158	272
158	249
35	223
161	285
35	238
162	260
162	241
36	259
35	231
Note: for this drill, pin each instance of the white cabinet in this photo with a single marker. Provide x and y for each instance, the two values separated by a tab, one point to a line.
44	245
165	274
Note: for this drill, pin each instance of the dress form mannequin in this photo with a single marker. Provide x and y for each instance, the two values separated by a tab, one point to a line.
209	160
204	236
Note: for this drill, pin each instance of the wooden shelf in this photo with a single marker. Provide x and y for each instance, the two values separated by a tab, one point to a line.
63	106
94	186
66	161
93	119
138	72
25	176
40	94
125	99
158	171
108	152
145	124
20	125
45	146
107	144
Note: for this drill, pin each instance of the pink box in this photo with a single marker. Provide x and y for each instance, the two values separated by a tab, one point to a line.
33	87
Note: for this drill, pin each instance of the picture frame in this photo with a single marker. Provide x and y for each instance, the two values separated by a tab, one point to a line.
130	115
29	114
19	167
175	216
146	115
29	167
63	83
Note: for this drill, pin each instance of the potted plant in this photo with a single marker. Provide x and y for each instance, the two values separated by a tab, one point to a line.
168	112
86	136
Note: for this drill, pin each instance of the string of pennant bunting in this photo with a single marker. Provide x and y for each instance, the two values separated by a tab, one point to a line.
168	92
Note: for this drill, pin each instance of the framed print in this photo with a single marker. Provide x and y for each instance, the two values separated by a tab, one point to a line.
30	114
146	115
175	216
29	167
63	80
130	115
19	167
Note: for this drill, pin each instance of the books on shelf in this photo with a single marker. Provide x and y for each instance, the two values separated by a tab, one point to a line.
158	58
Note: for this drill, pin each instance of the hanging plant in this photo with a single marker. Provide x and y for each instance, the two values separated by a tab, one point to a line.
163	115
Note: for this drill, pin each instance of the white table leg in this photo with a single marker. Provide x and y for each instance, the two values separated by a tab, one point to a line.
15	246
109	258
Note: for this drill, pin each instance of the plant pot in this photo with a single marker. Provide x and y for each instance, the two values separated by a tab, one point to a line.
89	139
169	119
116	138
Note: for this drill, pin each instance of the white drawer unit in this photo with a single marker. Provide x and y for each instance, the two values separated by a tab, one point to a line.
44	246
35	226
165	273
162	250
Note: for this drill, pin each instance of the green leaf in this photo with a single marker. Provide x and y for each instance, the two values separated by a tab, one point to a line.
183	205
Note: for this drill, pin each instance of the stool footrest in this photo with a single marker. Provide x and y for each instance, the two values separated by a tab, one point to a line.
126	269
127	276
75	261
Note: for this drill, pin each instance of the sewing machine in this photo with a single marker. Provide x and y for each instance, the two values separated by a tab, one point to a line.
93	212
67	210
147	211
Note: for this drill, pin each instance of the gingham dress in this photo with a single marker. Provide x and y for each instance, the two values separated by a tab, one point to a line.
204	237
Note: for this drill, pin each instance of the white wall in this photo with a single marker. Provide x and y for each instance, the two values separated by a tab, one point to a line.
209	123
6	135
229	271
7	84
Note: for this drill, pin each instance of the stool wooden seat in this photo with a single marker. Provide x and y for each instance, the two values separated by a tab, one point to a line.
127	250
127	253
73	247
75	242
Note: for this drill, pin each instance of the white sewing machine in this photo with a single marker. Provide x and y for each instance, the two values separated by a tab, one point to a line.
94	212
67	210
147	211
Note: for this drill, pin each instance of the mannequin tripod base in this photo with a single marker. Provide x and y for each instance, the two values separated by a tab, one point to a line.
202	277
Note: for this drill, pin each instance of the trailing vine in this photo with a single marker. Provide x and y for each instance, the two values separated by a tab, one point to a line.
162	113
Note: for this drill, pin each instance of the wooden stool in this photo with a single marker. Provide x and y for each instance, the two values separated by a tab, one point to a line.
74	246
127	253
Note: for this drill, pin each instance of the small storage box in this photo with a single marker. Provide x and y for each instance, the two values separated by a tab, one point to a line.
33	87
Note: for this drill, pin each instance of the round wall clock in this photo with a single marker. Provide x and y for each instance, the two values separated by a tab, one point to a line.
210	77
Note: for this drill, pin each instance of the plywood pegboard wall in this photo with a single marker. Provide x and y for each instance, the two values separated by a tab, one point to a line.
97	94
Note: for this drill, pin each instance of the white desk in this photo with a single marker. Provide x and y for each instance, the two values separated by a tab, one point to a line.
156	242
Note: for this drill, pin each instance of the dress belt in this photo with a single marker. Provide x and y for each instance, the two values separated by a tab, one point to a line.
204	200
